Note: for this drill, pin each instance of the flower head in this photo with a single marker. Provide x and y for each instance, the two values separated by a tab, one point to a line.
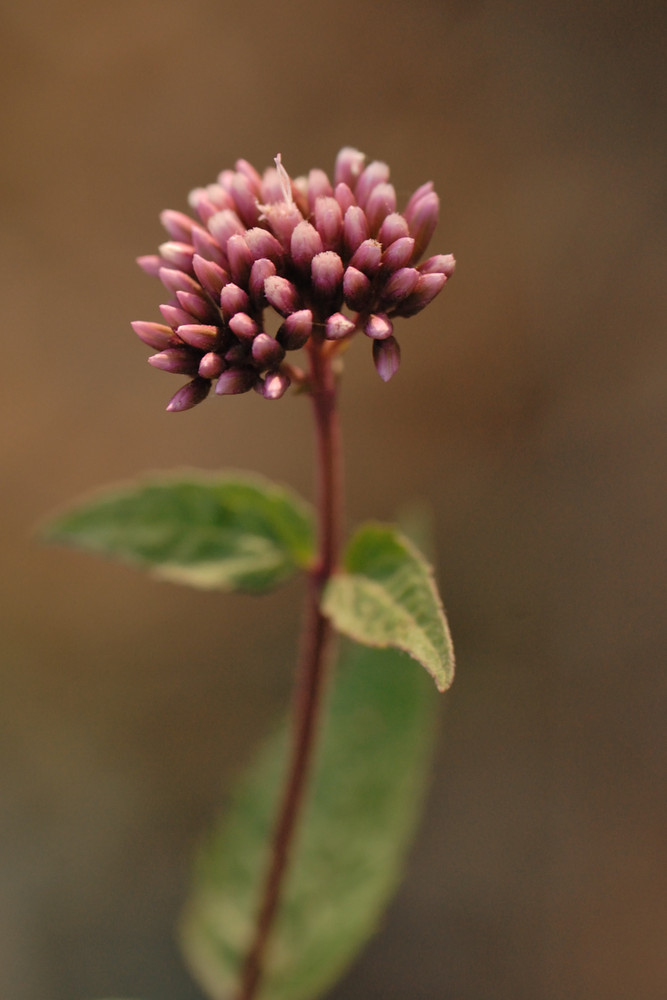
331	259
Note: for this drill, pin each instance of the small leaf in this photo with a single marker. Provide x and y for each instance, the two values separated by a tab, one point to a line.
387	597
227	532
365	797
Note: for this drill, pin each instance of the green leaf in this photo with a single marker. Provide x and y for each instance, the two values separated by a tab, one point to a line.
229	532
387	596
365	797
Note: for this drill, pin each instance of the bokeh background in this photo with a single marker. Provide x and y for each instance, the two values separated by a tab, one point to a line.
529	413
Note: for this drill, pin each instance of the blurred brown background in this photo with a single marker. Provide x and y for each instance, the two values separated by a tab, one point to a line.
529	412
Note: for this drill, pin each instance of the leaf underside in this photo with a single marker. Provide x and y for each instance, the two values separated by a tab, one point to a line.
386	596
228	532
365	796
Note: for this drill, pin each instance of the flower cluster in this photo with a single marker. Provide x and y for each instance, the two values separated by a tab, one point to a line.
329	259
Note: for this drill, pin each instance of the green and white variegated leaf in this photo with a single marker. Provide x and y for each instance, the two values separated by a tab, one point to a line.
386	596
365	797
229	532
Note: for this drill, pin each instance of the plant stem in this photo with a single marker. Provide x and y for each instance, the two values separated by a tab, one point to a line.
311	671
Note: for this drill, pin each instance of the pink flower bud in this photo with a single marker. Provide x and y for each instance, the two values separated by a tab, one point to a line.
189	395
386	357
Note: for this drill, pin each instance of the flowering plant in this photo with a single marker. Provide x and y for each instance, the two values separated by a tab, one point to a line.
294	879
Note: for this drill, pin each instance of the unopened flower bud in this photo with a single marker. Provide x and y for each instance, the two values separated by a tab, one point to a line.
424	292
338	326
177	255
306	242
327	275
416	197
174	315
178	225
233	299
296	330
259	272
367	257
150	264
262	243
380	203
349	165
328	222
243	326
355	228
197	306
204	338
178	360
223	225
156	335
281	294
394	227
178	281
275	385
319	186
357	289
211	276
378	327
266	351
374	174
246	200
208	248
386	357
189	395
344	196
240	259
400	285
422	221
235	380
212	365
442	263
398	254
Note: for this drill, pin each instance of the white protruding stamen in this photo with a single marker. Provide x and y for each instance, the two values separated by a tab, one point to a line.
285	182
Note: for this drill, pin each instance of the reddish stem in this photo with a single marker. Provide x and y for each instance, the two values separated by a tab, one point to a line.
311	672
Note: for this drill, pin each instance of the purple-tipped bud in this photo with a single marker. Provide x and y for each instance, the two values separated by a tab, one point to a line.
344	196
232	300
416	197
319	186
399	286
349	165
275	385
281	294
235	380
208	248
178	281
240	259
177	360
197	306
423	220
355	228
150	264
219	197
296	330
156	335
259	272
424	292
250	173
283	217
338	326
199	200
398	254
374	174
245	199
262	243
174	315
381	202
442	263
329	222
204	338
386	357
211	276
189	395
367	257
378	327
306	242
223	225
327	275
243	326
178	225
394	227
356	289
212	365
266	351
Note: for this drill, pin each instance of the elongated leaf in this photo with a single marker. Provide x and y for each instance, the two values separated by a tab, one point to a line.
366	791
227	531
387	596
